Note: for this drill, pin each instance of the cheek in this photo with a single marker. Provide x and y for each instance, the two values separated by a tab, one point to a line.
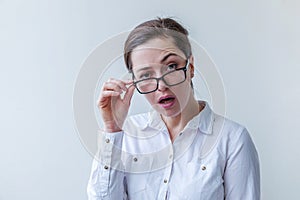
182	93
182	89
151	98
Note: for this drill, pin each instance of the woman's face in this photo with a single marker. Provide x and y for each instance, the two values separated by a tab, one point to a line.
153	60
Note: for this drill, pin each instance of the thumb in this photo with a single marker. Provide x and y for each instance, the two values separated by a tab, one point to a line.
128	95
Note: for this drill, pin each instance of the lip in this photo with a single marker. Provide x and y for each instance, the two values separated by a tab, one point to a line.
166	105
165	97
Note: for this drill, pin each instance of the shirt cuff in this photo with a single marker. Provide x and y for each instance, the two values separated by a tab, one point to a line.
108	139
110	149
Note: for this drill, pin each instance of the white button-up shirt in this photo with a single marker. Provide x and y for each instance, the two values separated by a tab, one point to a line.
213	158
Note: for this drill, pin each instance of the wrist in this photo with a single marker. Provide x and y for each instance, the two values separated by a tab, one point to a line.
112	128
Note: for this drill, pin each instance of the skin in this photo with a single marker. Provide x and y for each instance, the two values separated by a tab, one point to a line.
152	54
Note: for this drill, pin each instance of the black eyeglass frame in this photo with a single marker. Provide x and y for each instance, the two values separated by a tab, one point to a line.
162	78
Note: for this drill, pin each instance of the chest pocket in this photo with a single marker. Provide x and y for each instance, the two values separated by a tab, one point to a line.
204	181
137	176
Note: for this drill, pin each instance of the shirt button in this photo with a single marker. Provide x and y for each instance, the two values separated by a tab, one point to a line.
170	156
165	181
107	140
135	159
105	167
203	168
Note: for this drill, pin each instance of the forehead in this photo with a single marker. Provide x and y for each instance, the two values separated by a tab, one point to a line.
154	51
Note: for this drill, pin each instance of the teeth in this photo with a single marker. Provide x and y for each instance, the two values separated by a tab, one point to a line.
165	100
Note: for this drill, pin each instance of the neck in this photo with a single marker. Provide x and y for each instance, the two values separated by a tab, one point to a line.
177	123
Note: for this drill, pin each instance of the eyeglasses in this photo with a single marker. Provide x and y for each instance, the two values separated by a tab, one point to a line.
171	78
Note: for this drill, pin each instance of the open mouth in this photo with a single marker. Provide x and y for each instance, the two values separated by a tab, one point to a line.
166	100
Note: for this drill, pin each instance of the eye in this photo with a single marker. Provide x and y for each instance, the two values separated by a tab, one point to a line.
144	75
172	66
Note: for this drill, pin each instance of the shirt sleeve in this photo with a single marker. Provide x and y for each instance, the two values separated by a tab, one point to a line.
242	175
106	180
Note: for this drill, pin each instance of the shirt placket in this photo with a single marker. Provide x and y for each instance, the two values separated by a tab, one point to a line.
163	192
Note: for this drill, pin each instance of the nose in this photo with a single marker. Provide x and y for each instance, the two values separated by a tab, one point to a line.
162	85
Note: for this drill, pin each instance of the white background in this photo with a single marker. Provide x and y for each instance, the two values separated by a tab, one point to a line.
254	43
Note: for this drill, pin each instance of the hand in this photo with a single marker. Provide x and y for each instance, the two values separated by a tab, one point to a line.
113	108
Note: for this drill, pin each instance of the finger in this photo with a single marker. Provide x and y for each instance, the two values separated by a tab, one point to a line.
108	93
111	86
105	95
128	83
128	95
121	84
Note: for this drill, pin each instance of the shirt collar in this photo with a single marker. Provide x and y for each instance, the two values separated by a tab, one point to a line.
203	121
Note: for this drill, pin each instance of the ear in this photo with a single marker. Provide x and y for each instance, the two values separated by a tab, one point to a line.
191	67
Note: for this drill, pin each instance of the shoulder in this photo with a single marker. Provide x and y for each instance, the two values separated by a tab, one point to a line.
229	128
233	136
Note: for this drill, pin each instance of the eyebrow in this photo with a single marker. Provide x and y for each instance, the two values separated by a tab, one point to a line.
167	56
162	60
144	68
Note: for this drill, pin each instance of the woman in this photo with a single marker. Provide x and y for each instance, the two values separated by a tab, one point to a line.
181	149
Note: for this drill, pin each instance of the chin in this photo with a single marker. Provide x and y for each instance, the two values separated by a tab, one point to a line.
173	112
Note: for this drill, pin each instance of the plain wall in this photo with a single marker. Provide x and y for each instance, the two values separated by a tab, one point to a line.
255	45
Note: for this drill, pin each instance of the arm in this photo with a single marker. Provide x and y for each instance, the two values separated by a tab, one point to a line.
107	178
242	175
